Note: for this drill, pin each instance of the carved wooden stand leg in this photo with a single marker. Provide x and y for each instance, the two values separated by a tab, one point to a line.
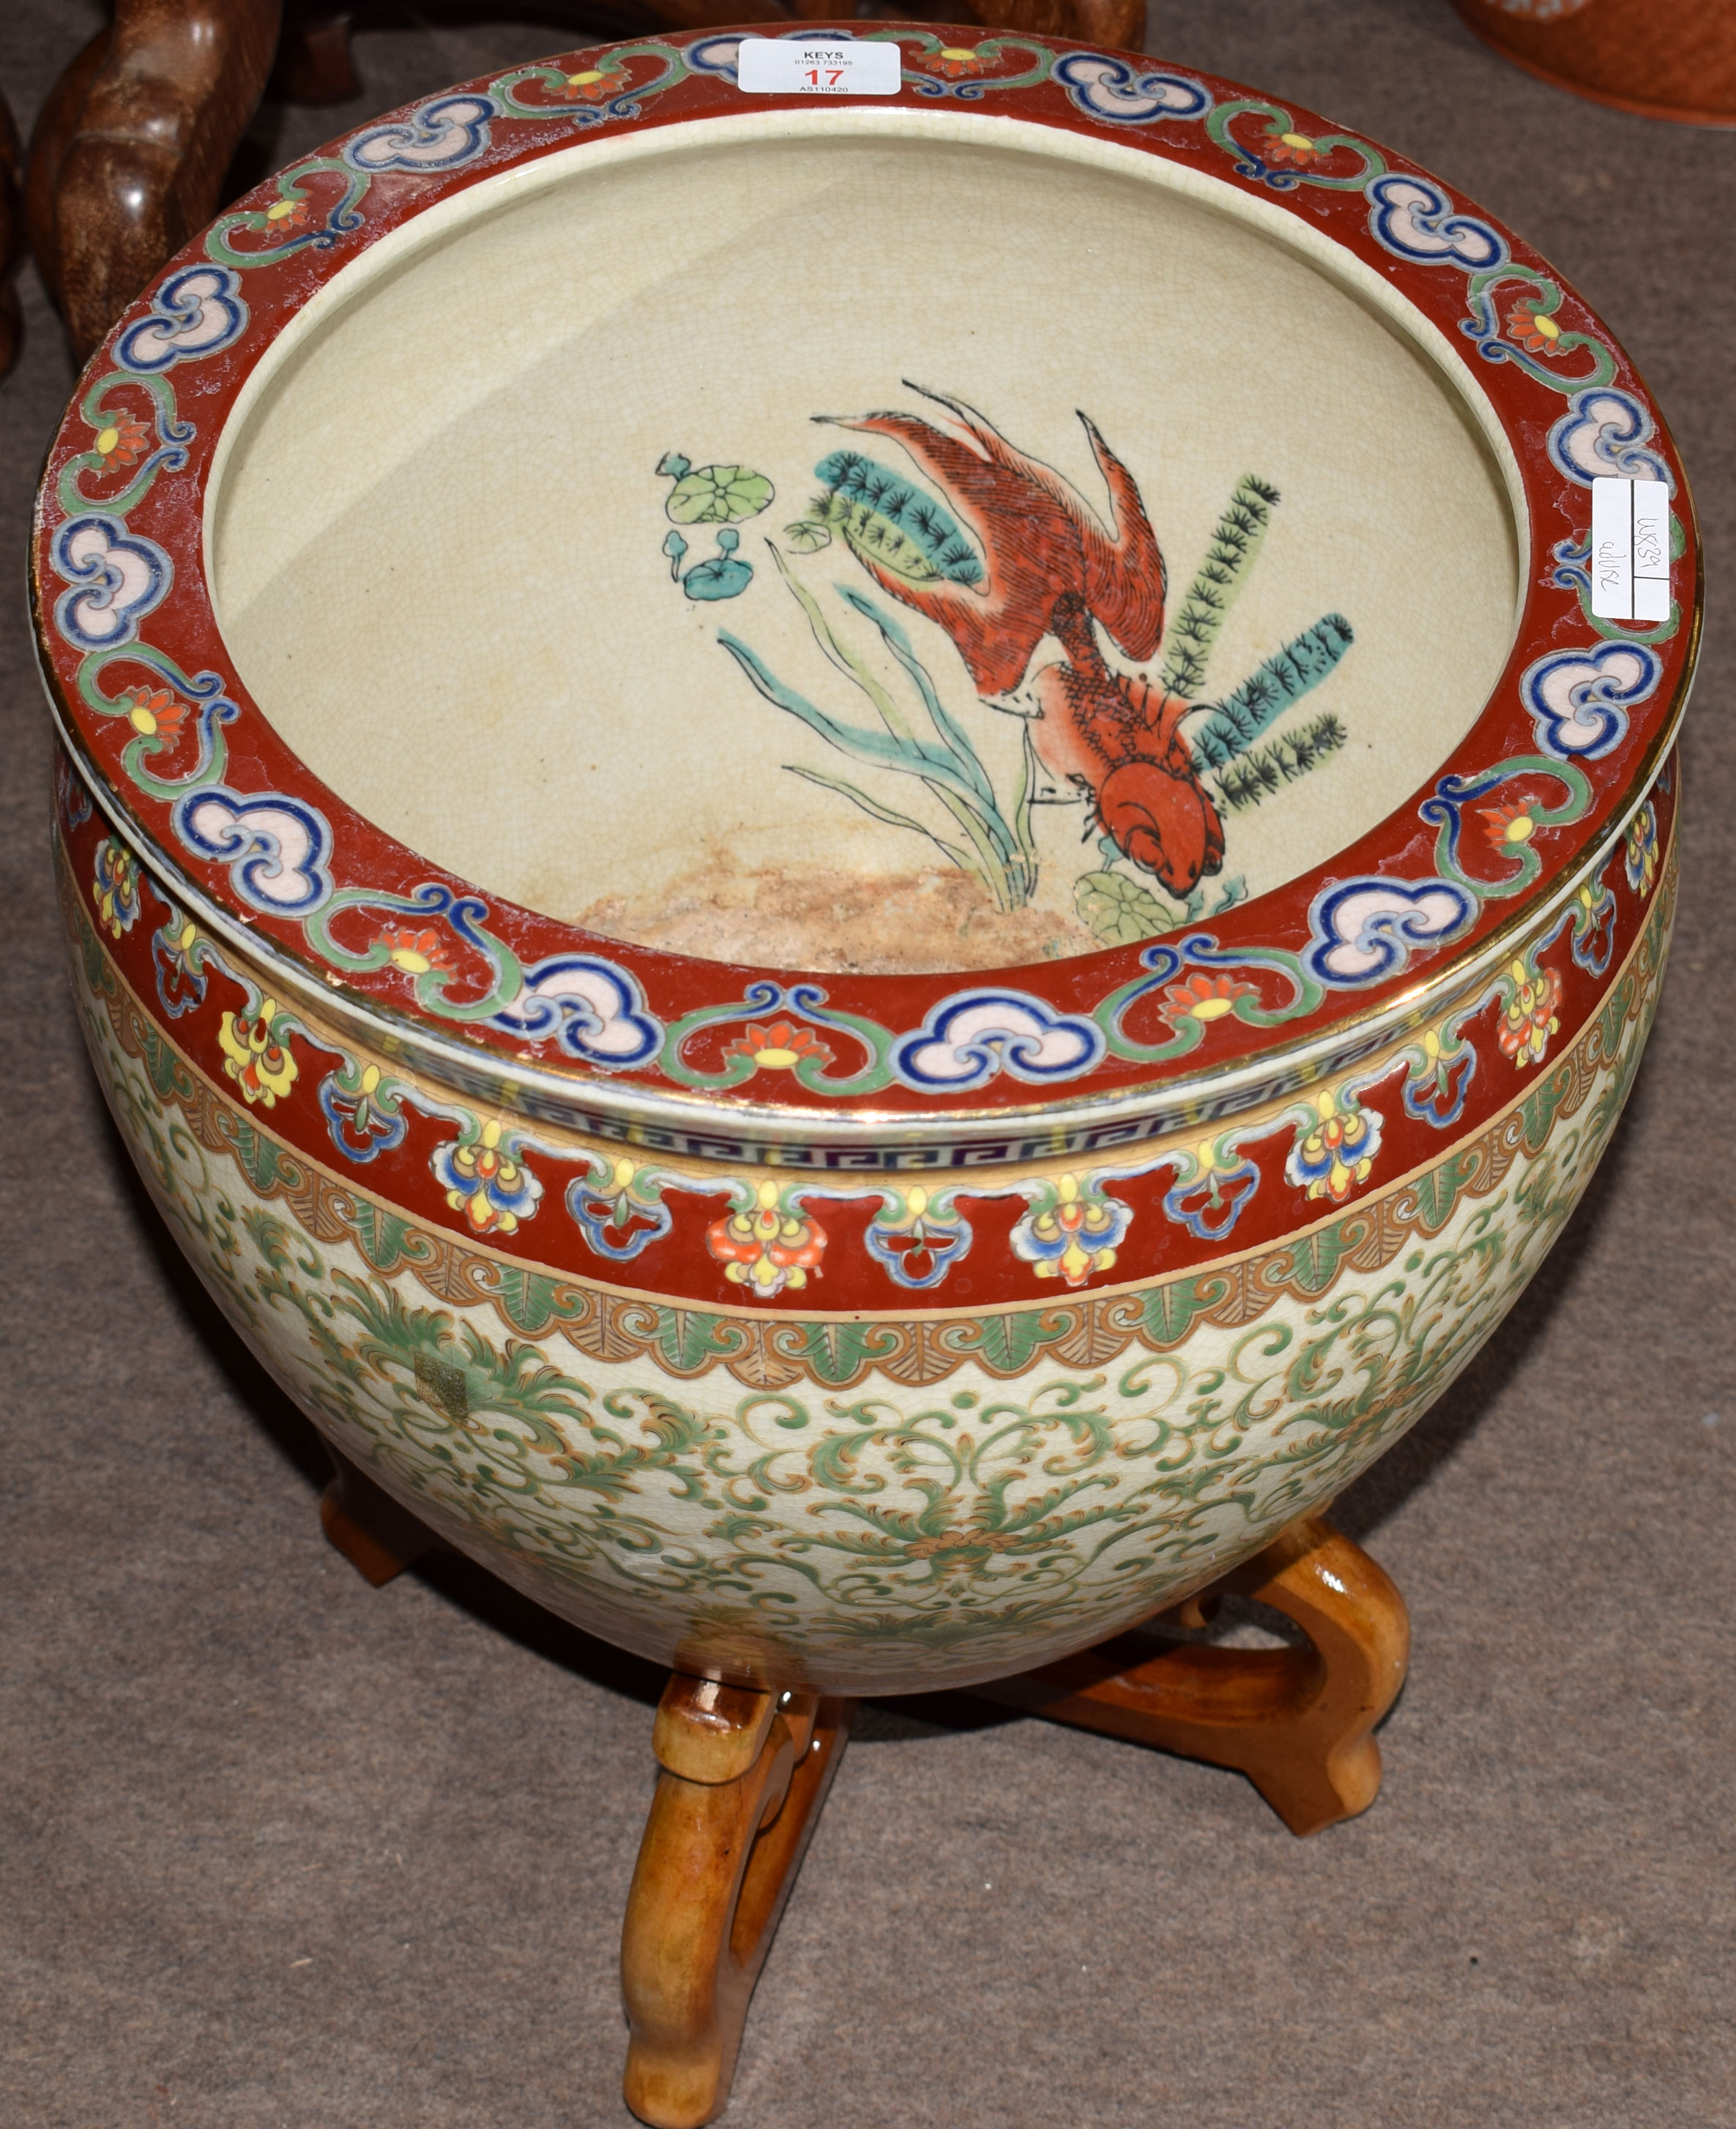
378	1538
1298	1723
744	1775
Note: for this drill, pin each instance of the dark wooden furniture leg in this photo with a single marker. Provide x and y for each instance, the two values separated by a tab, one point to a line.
378	1537
1298	1723
129	156
743	1776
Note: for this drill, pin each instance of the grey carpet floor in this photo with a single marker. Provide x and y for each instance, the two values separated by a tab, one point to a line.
276	1849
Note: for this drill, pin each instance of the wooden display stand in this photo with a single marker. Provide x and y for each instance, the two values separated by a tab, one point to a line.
743	1775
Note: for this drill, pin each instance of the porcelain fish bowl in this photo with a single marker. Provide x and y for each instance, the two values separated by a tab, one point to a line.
864	871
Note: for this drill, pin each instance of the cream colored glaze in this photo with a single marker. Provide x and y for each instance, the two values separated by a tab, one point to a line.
434	533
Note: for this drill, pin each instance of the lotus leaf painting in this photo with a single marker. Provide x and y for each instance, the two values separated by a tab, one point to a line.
952	581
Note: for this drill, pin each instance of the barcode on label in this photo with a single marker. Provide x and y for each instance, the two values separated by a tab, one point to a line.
833	66
1630	550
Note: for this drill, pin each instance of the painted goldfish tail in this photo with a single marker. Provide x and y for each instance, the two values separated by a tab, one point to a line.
1125	579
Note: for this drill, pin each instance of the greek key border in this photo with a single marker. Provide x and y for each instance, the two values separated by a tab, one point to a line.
767	1352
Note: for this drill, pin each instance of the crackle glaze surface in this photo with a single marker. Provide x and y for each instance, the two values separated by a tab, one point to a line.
947	632
865	1504
874	1322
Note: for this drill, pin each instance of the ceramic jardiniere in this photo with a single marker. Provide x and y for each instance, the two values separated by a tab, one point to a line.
864	873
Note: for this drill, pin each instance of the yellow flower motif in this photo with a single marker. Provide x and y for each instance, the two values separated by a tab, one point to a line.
1075	1236
115	890
1338	1153
487	1182
261	1067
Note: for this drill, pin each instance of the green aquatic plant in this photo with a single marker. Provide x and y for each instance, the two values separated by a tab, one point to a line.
714	495
1246	778
1233	725
996	849
885	519
1229	556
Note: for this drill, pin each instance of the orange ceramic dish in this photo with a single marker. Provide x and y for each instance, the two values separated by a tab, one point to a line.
1676	61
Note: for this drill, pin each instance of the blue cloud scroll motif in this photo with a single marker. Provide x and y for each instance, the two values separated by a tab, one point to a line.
718	54
117	577
1364	929
1416	220
438	136
967	1040
194	313
275	847
1579	699
1108	89
595	1010
1601	433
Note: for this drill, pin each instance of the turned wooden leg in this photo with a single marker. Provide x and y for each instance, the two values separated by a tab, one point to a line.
129	156
743	1777
379	1538
1298	1723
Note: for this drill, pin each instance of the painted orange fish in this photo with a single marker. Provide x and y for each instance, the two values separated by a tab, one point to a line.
1053	568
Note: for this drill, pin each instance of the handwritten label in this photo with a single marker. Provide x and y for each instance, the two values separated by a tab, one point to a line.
1630	550
832	66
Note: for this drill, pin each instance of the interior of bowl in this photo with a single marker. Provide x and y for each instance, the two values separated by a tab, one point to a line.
748	539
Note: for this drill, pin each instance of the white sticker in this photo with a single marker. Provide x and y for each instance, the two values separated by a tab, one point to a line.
828	66
1630	550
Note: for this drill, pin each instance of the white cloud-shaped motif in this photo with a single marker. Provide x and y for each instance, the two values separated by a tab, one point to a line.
117	577
195	313
1364	929
1579	699
1416	220
441	134
716	54
595	1010
1601	433
1109	88
275	847
968	1040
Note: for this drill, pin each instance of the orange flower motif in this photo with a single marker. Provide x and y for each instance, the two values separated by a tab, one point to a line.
767	1249
155	712
124	442
1531	327
284	217
414	952
1296	148
595	85
1204	998
1508	824
1530	1017
780	1047
953	60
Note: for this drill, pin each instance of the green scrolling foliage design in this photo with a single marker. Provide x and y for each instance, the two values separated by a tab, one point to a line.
957	1520
1284	158
120	438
